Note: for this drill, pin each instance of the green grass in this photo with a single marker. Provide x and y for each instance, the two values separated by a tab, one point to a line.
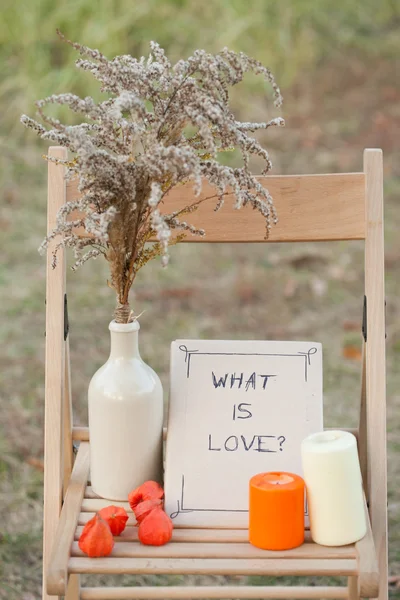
291	37
337	65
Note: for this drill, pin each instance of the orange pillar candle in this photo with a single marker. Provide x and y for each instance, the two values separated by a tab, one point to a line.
276	511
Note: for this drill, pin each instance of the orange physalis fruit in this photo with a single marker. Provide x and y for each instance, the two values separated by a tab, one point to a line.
156	528
96	538
144	508
150	490
116	517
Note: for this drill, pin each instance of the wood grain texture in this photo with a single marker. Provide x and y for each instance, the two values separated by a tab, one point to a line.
239	592
352	588
221	550
54	366
375	361
84	517
206	566
224	536
73	588
80	434
67	421
362	426
215	536
310	207
57	574
368	575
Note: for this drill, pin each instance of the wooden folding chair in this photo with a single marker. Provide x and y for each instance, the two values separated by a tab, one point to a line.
311	208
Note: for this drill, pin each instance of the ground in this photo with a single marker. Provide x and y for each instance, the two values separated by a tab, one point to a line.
304	291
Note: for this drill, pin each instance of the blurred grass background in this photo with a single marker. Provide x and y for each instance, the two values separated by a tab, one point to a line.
338	66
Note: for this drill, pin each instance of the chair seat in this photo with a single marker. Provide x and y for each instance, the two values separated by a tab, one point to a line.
197	551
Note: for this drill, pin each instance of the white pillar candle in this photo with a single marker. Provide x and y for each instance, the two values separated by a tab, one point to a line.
332	474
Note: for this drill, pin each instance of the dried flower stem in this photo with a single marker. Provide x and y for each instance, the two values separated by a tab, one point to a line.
161	125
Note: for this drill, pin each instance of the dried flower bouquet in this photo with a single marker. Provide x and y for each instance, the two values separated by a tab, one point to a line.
161	125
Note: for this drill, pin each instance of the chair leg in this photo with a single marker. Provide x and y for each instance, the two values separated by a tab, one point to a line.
73	588
352	587
54	377
376	440
68	455
362	428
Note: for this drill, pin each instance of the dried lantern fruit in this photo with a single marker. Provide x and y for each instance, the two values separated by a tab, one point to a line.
96	538
150	490
116	517
155	529
144	508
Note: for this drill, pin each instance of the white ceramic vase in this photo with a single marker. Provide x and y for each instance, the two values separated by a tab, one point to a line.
125	418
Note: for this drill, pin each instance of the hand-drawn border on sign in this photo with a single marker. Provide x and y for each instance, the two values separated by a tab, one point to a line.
182	510
188	355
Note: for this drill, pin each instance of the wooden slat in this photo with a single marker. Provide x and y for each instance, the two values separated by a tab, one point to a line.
83	518
221	550
81	434
213	536
375	361
96	504
91	506
55	356
239	592
207	566
73	588
352	588
368	579
310	207
57	574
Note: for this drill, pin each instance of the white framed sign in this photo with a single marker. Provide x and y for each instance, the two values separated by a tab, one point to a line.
236	408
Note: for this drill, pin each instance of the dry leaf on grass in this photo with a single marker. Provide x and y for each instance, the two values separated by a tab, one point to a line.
35	463
307	261
290	288
352	352
246	293
184	292
394	581
351	325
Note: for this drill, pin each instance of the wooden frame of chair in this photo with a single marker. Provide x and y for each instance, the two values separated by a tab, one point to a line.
311	208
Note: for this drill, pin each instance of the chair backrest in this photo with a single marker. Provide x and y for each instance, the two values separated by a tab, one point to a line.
310	208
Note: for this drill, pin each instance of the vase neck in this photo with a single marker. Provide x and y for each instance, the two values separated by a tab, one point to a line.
124	340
